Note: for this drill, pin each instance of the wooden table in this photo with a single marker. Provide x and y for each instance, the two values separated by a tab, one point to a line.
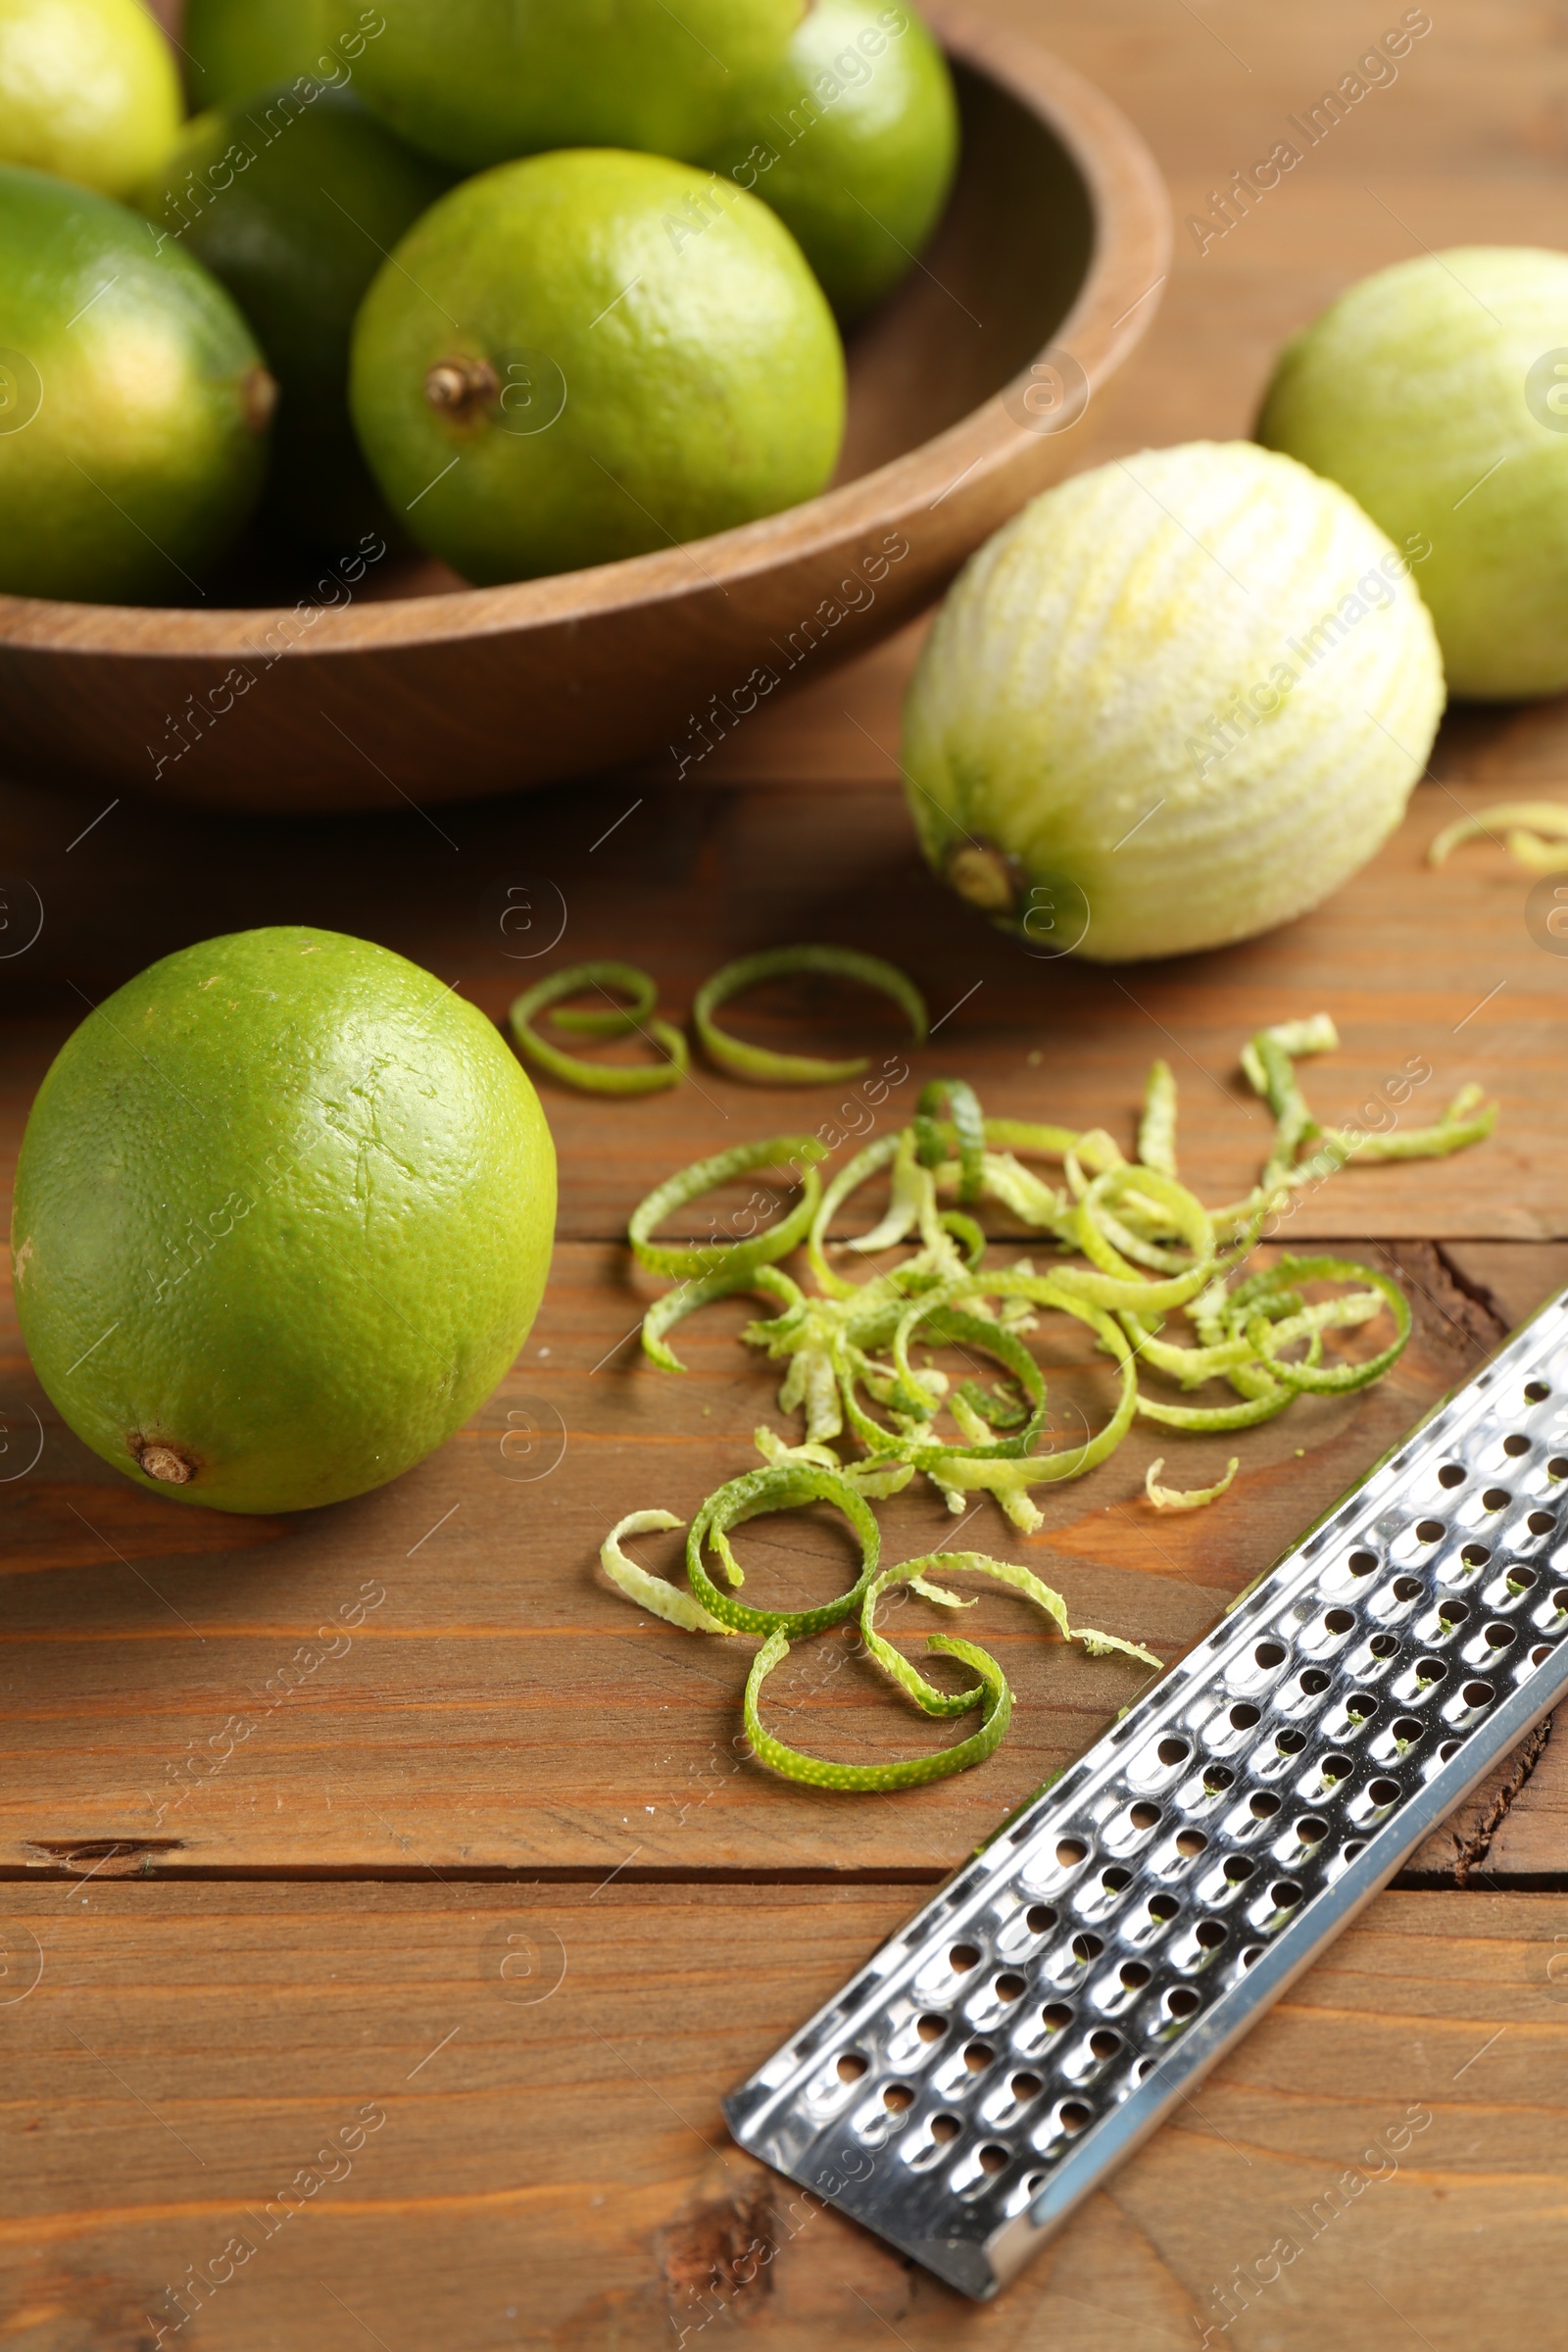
463	1941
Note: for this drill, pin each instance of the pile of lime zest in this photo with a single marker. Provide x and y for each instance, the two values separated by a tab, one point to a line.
1135	1246
797	1069
616	1021
1523	824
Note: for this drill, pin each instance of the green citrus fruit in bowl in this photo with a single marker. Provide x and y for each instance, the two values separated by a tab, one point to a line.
588	354
87	90
292	200
283	1216
1436	394
852	139
133	403
480	81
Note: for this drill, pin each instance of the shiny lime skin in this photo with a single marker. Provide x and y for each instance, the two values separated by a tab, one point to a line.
233	47
480	81
133	403
283	1217
661	364
853	140
291	200
87	90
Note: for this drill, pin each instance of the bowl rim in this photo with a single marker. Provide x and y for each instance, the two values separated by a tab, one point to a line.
1128	264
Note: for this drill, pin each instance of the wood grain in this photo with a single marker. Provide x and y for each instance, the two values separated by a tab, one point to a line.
1423	970
499	1707
555	2173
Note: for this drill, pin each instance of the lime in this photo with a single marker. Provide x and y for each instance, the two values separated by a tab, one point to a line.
235	46
133	402
478	81
588	354
1433	392
293	200
283	1216
87	90
853	140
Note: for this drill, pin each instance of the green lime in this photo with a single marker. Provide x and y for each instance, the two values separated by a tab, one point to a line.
293	200
853	140
480	81
133	403
87	90
283	1217
233	47
588	354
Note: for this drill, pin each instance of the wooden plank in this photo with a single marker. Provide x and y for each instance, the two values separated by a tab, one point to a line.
1425	973
479	1698
514	2171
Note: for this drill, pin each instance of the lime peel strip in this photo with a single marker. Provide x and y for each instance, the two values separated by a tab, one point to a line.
600	1077
647	1591
797	1069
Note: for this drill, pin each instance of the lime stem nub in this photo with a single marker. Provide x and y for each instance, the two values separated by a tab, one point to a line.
259	396
166	1462
460	386
983	876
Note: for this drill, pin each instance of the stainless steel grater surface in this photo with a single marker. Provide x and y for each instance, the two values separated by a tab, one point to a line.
991	2064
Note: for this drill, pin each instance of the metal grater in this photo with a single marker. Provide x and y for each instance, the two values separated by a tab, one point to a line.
994	2062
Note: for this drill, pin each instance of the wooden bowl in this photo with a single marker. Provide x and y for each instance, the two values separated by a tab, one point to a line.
404	684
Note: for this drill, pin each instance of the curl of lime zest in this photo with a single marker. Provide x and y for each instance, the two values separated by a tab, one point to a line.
797	1069
675	1305
951	1099
688	1260
1009	1476
1468	1119
848	1180
991	1684
1115	1282
871	1480
1156	1129
600	1077
648	1591
1524	822
1340	1379
817	1772
1185	1499
779	1486
910	1190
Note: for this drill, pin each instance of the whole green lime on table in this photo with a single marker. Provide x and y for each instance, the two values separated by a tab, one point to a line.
1437	393
133	403
584	356
232	47
87	90
283	1216
480	81
853	140
1176	701
296	225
